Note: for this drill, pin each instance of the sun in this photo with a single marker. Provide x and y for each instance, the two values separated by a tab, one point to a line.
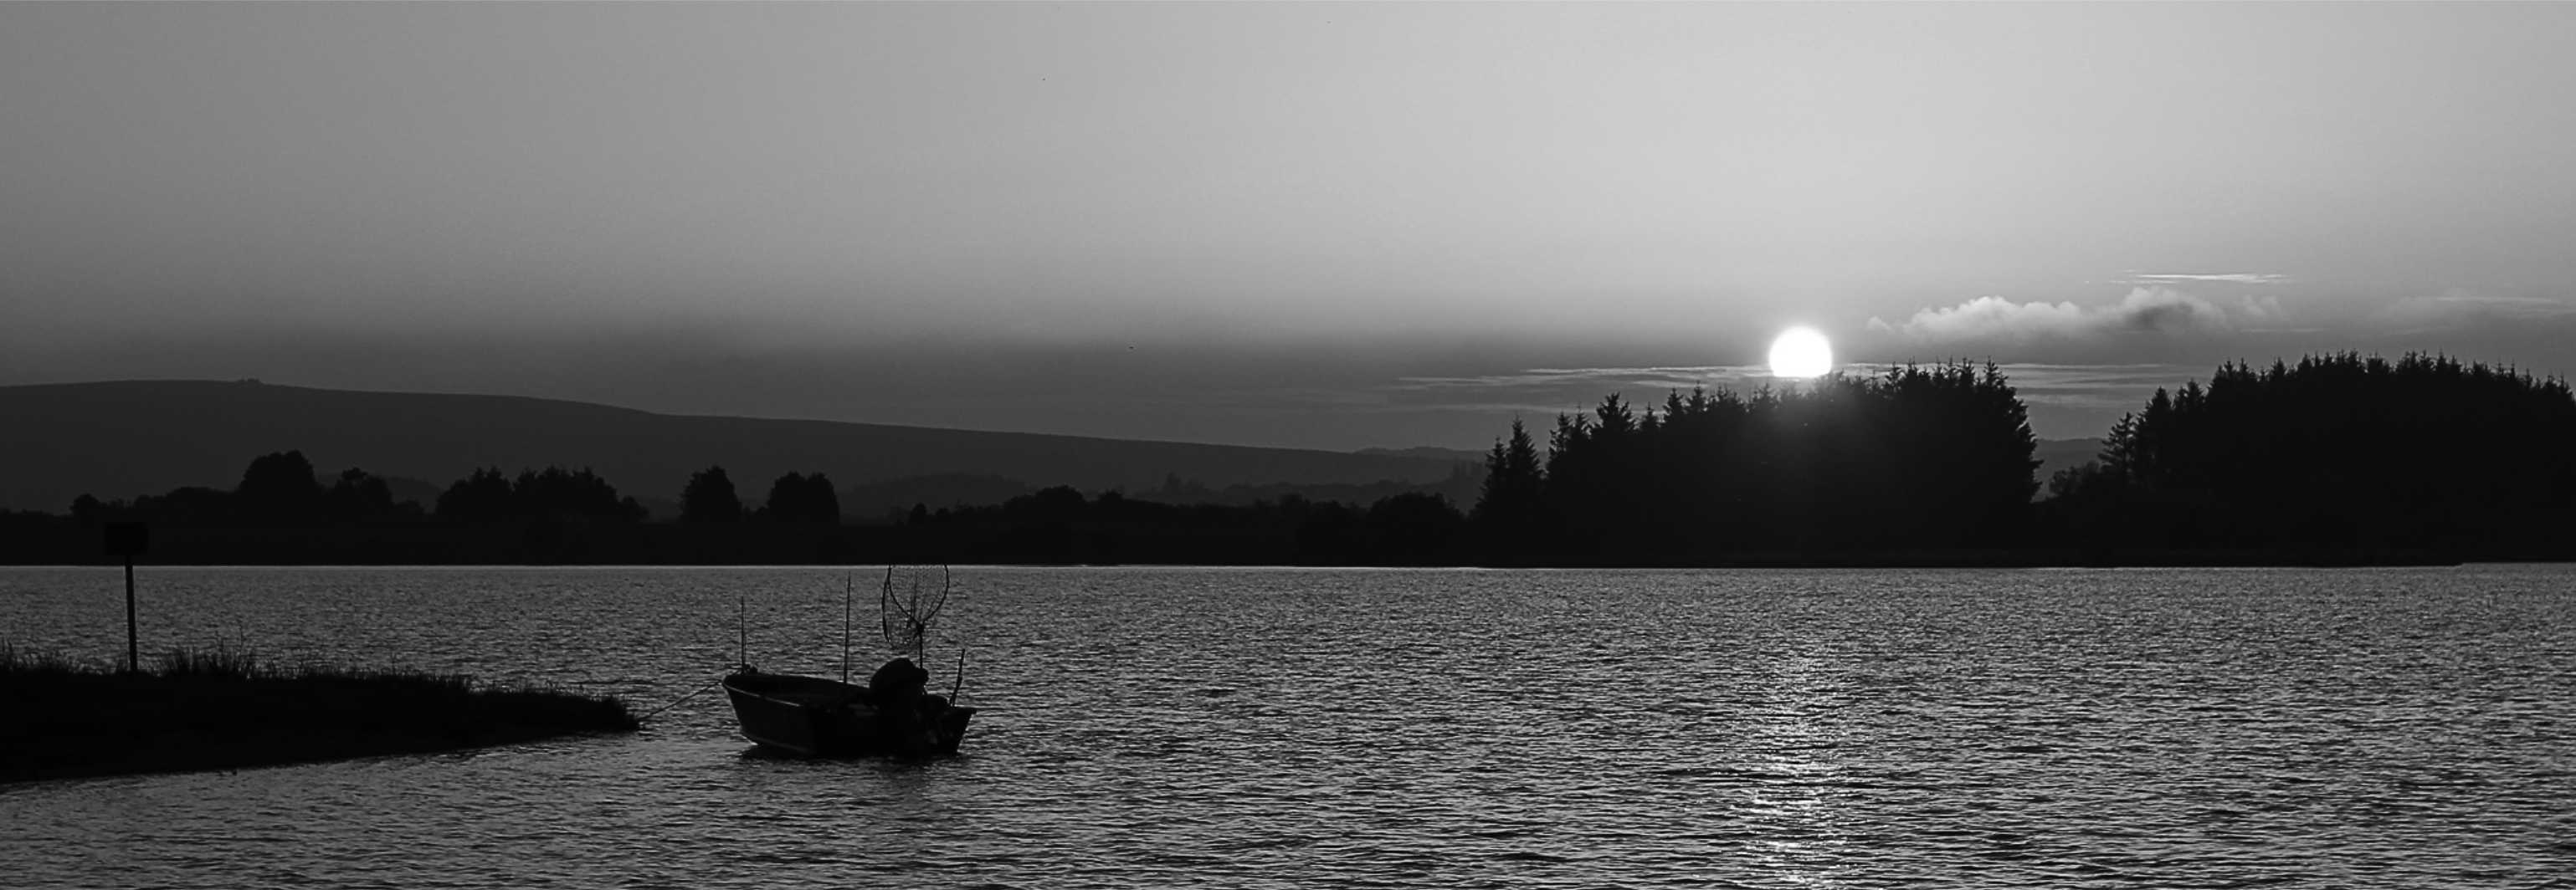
1801	352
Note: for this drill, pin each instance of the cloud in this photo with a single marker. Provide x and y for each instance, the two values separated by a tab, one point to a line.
2145	310
2212	278
1594	382
2459	309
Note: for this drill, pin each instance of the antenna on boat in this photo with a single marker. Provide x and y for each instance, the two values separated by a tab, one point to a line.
849	588
742	629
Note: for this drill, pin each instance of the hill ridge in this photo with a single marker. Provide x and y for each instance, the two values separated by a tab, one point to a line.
119	438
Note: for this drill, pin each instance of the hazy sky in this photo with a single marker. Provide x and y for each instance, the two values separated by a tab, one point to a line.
1328	225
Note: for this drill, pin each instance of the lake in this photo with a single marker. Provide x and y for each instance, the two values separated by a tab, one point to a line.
1396	728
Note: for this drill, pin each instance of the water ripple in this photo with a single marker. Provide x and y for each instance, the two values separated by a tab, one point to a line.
1277	728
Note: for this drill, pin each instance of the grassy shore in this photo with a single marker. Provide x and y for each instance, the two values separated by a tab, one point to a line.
198	710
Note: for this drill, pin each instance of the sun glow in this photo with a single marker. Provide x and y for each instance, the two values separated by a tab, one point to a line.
1801	352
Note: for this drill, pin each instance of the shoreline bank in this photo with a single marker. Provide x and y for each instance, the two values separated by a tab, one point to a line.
209	711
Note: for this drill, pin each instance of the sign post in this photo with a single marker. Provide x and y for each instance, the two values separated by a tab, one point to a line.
129	539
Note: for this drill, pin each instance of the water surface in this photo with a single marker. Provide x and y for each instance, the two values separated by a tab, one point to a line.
1296	728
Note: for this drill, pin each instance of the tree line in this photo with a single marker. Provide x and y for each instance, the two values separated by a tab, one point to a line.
277	489
2339	457
281	490
2339	452
1916	458
1061	525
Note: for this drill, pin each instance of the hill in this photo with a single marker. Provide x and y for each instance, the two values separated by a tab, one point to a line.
1426	451
120	439
2058	454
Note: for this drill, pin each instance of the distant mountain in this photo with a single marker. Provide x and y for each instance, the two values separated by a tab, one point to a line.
121	439
1427	452
419	491
874	500
2059	454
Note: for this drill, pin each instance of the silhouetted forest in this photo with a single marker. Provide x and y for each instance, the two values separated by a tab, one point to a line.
1917	458
2337	453
275	490
280	513
1060	525
125	438
2335	459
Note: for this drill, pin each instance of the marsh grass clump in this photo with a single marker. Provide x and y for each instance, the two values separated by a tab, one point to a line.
15	661
220	708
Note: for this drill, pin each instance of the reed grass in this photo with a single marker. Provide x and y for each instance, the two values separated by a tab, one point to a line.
220	708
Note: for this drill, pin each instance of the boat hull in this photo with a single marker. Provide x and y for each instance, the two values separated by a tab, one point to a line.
815	717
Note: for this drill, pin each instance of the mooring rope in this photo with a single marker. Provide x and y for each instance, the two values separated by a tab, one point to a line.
648	715
712	684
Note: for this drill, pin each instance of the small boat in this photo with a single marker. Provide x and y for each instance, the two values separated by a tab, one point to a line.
817	717
892	714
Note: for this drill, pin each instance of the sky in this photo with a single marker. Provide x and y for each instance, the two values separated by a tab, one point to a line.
1314	225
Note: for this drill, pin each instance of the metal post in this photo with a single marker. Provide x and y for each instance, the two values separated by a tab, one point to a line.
128	539
133	650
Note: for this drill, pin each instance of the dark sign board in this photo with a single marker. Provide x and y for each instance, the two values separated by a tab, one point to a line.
127	539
